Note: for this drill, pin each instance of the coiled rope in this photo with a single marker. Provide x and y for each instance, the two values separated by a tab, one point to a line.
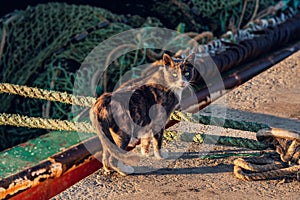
287	145
263	170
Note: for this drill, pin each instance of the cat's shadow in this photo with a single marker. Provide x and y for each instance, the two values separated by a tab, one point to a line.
193	170
172	168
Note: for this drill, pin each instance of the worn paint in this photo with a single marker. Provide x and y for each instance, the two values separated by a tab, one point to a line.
54	167
31	178
32	152
38	172
51	187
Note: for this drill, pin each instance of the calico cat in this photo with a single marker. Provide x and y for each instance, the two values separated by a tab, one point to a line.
139	110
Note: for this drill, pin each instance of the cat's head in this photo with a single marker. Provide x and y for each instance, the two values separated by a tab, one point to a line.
178	72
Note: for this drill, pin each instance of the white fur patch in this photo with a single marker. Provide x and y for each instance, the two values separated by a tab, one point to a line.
178	93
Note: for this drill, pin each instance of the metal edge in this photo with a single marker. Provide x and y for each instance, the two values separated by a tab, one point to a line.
55	174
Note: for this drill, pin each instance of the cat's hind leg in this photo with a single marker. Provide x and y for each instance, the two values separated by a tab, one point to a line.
105	162
122	140
157	143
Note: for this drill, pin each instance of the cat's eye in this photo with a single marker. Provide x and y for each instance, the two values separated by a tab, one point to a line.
186	73
174	74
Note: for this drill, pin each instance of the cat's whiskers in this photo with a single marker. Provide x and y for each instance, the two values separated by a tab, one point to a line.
190	88
177	91
192	83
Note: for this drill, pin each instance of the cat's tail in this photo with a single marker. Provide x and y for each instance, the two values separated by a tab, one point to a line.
120	154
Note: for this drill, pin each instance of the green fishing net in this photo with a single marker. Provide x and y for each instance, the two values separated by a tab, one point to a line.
37	52
43	46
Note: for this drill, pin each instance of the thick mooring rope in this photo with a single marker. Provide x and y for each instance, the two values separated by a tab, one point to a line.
218	121
51	124
215	139
46	94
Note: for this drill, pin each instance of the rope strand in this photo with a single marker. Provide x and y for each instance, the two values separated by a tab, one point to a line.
38	93
51	124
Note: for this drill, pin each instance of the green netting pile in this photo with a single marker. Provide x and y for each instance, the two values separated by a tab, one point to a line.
43	46
37	52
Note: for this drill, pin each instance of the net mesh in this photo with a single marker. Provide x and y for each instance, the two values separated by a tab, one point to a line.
37	52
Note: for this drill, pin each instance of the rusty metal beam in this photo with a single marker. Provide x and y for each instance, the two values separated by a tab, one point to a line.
44	179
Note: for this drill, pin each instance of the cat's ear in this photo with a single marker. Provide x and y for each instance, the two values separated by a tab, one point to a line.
167	60
190	58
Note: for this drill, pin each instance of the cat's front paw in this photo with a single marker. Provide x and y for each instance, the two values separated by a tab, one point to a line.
145	152
106	171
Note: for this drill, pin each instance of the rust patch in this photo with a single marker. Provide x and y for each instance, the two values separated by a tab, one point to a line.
87	160
31	179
